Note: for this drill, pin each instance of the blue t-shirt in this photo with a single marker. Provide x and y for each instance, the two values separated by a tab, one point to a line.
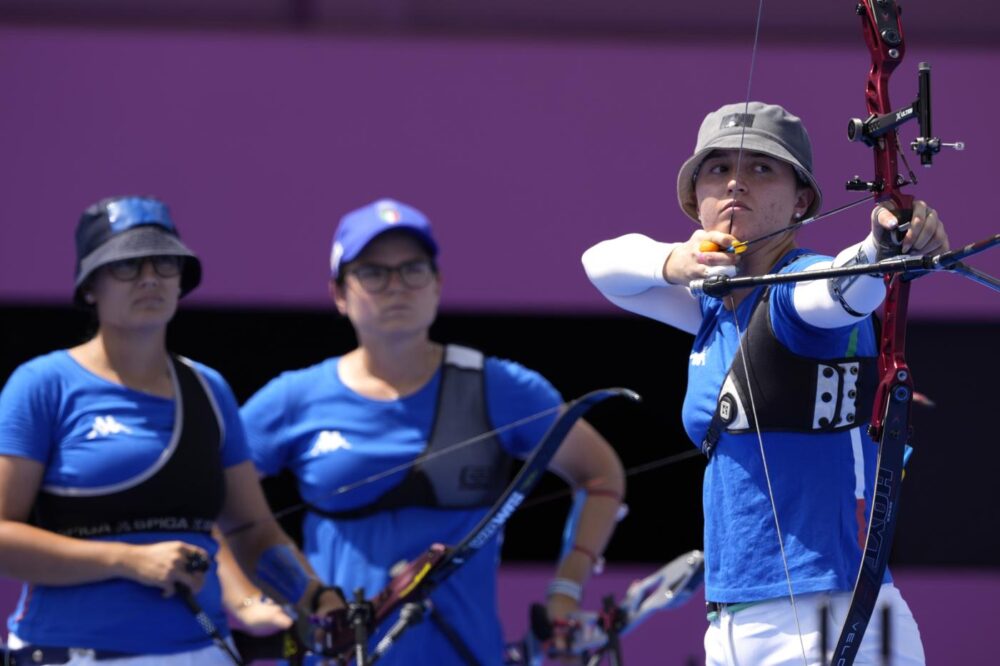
90	432
822	483
329	436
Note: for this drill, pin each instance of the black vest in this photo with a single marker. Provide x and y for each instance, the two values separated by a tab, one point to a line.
182	491
791	393
447	476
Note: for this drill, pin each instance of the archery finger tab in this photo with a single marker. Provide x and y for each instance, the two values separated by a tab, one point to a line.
708	246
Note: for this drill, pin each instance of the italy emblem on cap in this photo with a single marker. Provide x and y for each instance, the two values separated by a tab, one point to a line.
389	213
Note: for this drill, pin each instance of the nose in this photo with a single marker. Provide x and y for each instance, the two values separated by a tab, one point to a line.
736	185
146	271
394	279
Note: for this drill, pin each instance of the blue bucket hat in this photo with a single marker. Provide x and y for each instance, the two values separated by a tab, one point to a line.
361	226
127	228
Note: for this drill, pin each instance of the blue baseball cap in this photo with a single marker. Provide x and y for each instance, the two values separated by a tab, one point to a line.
129	227
361	226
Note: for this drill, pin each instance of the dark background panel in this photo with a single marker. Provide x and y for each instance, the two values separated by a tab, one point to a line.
948	505
975	21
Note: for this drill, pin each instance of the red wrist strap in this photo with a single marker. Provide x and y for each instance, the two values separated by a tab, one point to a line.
594	557
603	492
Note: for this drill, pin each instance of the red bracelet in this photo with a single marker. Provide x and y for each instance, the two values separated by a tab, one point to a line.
596	561
604	492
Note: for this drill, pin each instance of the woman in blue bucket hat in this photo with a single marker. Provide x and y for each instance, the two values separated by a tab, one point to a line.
117	458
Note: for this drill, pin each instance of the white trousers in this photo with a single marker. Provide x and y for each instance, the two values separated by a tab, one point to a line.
207	656
765	634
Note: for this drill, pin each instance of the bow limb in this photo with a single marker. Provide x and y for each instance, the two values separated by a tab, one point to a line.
432	568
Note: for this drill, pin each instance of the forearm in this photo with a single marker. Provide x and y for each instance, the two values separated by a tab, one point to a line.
597	521
837	302
589	463
271	560
627	265
237	587
629	272
264	552
34	555
253	611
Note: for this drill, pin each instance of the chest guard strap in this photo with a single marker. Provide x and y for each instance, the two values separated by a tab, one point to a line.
183	491
791	393
445	476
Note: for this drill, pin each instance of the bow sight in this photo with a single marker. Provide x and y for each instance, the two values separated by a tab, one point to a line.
926	145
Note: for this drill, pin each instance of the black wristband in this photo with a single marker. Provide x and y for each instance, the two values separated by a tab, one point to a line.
314	600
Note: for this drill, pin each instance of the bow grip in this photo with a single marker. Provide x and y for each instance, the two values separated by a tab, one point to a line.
890	243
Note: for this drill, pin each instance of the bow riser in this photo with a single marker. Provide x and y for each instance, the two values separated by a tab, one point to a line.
883	34
891	410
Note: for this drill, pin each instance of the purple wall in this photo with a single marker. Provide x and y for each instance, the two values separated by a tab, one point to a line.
523	152
951	607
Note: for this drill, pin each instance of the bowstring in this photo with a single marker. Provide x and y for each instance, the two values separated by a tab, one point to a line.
745	353
665	461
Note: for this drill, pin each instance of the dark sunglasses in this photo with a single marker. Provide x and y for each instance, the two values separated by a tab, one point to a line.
166	266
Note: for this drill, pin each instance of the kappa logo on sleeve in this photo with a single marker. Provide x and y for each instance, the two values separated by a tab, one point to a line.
328	442
106	425
698	358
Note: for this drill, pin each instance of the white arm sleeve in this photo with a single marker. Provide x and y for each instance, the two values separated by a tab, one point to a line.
628	270
818	303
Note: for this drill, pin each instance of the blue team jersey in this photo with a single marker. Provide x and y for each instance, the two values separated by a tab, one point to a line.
822	483
92	433
329	436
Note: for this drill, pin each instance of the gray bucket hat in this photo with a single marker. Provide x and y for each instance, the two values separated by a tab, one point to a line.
756	127
127	228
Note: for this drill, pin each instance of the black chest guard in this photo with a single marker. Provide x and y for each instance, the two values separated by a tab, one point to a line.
447	476
182	491
791	393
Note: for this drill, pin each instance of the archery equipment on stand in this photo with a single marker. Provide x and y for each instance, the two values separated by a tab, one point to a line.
594	636
413	587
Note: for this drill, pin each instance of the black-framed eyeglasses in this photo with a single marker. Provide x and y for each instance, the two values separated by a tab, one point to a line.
374	278
165	265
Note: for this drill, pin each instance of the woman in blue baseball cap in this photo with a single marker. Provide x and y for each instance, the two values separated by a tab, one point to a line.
382	418
780	387
117	458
